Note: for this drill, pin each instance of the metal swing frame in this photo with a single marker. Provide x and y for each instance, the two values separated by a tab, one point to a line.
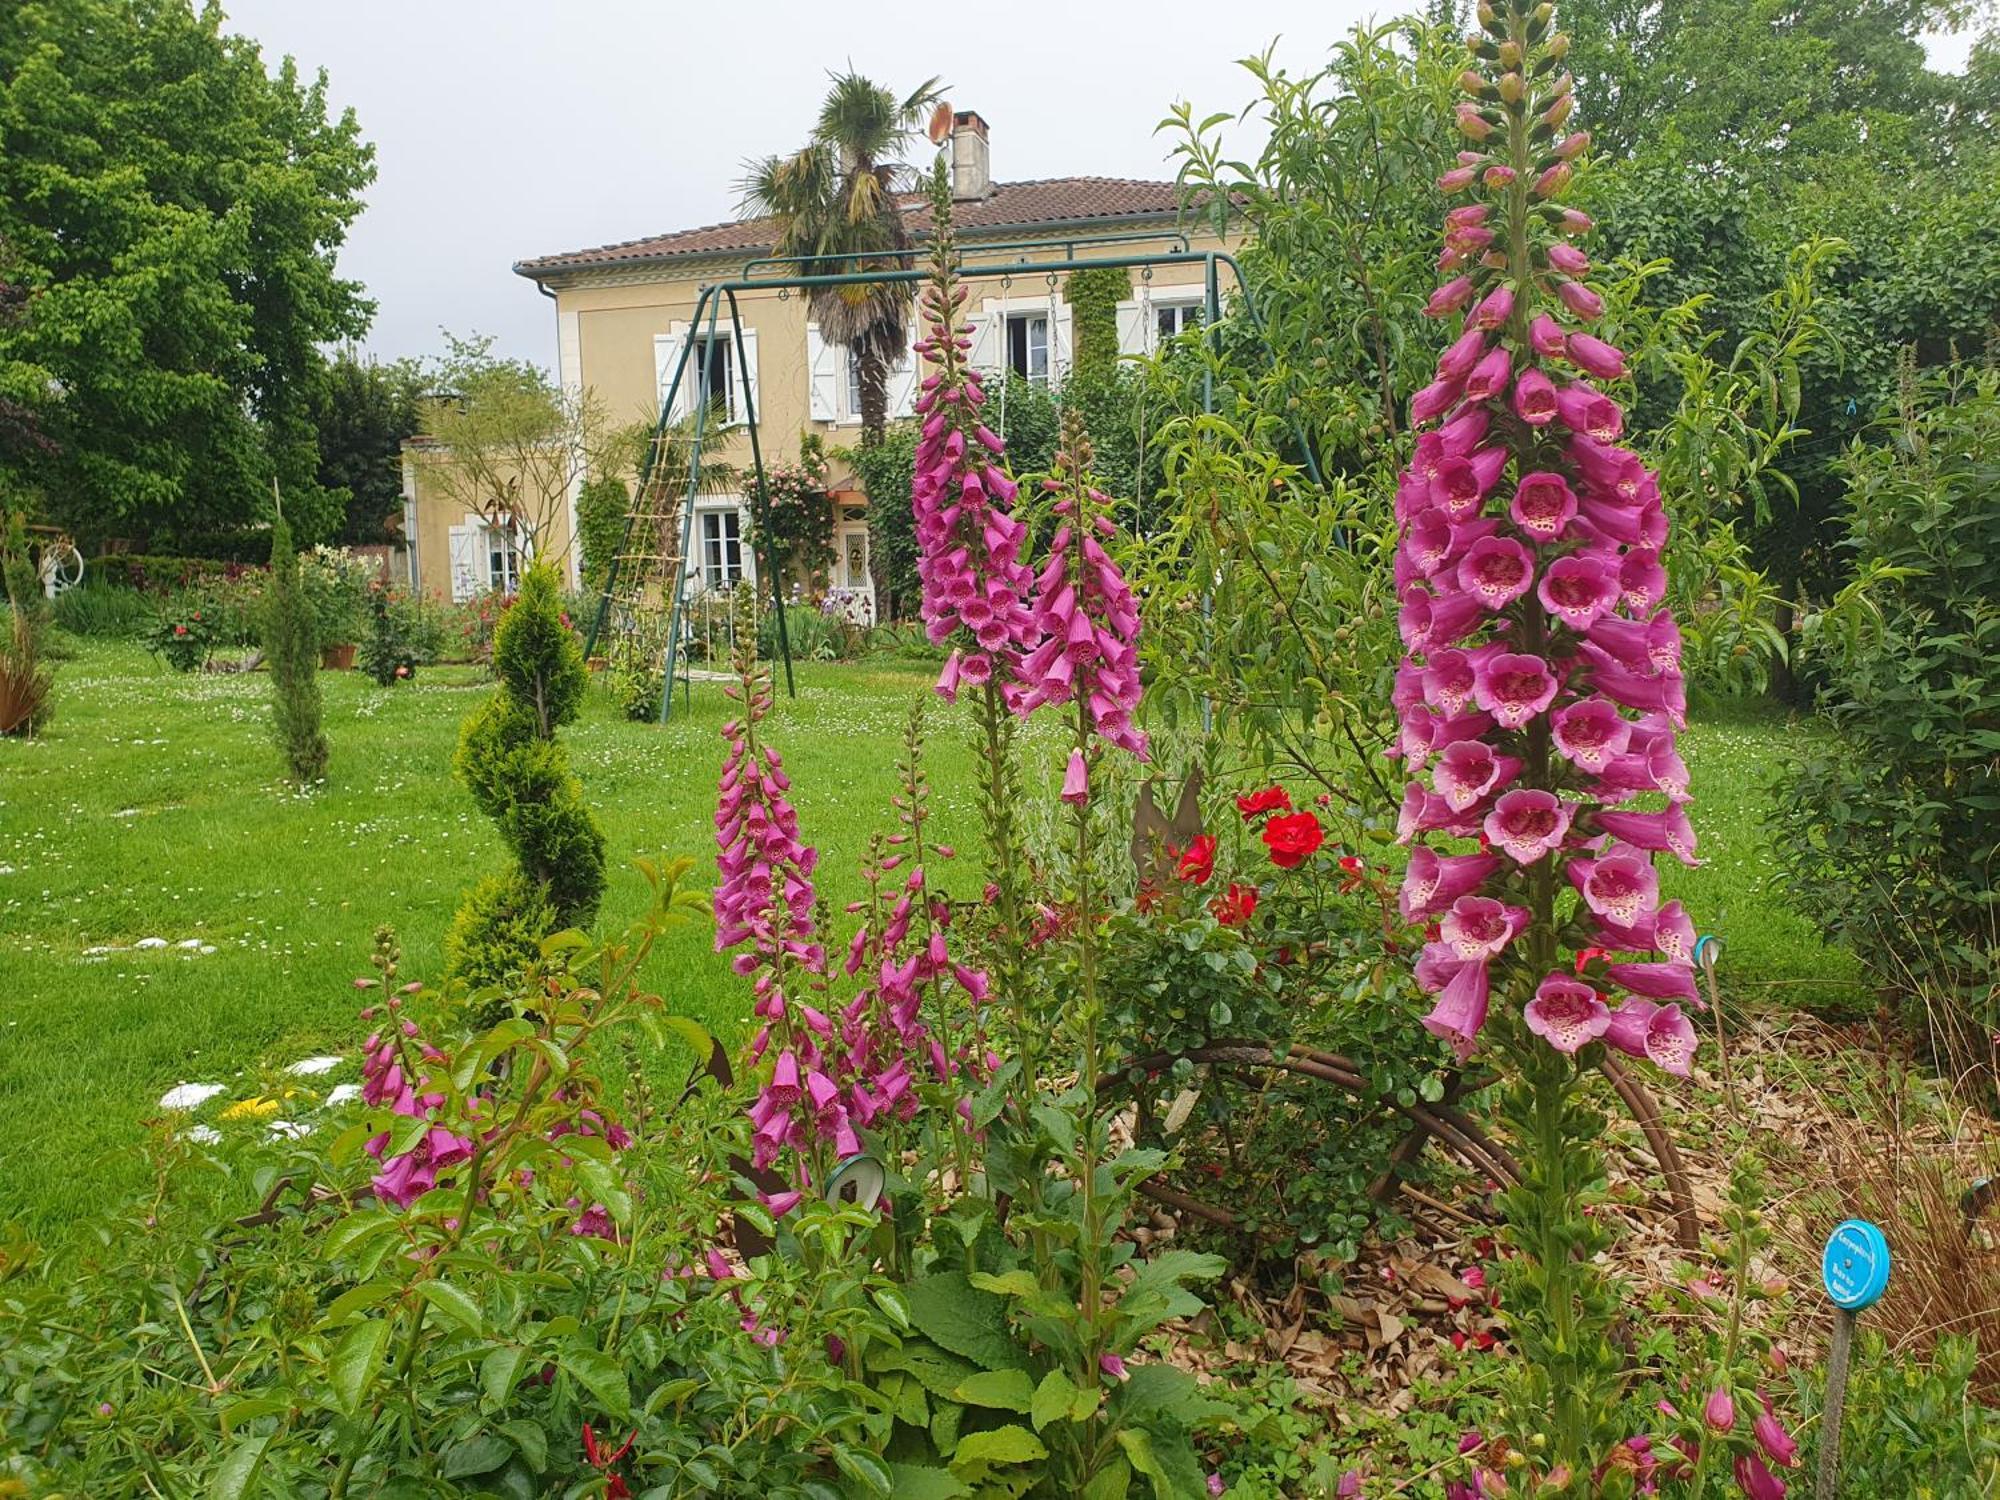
715	295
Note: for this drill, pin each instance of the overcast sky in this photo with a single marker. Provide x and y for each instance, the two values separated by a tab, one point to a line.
505	129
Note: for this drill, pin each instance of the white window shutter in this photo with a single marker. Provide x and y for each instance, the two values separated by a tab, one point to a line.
463	543
1131	329
746	552
1062	348
989	348
823	363
739	413
903	377
666	354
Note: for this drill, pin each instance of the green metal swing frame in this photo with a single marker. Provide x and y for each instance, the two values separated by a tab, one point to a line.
711	300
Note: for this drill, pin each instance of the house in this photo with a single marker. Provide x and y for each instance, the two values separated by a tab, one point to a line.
623	315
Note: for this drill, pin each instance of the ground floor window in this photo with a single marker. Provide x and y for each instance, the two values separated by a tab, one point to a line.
1176	318
503	560
721	548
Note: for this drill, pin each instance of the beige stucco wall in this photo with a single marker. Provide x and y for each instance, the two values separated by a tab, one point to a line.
431	510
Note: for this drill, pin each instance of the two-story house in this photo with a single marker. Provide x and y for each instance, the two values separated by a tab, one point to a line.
623	313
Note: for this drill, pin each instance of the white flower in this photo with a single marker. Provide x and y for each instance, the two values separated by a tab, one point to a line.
312	1067
342	1093
206	1135
189	1095
288	1130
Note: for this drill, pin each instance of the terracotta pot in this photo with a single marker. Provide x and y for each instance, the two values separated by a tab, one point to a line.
337	658
598	663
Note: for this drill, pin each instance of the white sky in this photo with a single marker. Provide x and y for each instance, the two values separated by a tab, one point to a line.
506	129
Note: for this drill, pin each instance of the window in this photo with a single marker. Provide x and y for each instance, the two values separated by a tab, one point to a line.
854	548
1175	318
503	560
721	548
718	356
1028	345
852	411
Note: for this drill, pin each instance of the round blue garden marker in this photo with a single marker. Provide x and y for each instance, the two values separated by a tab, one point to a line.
1707	949
1855	1271
1855	1267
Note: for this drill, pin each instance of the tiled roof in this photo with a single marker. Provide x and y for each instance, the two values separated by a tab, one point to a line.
1011	205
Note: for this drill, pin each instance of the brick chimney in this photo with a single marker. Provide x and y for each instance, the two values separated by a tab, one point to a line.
971	158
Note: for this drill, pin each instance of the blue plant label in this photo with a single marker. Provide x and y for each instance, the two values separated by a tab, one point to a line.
1855	1266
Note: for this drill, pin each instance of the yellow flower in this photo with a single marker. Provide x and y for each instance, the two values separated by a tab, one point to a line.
251	1109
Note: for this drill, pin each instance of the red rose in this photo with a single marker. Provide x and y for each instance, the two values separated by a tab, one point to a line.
1235	906
180	630
1293	838
1197	862
1271	799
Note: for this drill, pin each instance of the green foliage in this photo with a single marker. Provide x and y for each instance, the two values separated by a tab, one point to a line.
518	774
182	314
291	649
601	508
362	413
887	470
336	585
1915	1428
798	514
96	609
182	632
1093	296
1893	828
395	642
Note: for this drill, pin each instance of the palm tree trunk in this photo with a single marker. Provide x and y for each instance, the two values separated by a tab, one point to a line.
874	373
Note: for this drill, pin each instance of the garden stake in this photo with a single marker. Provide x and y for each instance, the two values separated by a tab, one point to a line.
1709	952
1855	1271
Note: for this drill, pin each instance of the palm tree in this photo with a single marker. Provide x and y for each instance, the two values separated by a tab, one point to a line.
837	196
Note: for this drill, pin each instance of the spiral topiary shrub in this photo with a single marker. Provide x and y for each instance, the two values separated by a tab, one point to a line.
518	774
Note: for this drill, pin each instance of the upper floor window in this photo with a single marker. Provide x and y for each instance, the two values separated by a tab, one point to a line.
718	356
1028	346
852	389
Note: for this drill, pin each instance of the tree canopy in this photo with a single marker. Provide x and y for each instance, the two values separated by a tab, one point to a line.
173	209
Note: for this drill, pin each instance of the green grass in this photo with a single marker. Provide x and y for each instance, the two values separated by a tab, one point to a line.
153	808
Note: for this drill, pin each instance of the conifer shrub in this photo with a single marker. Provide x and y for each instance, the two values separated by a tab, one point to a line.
291	645
509	759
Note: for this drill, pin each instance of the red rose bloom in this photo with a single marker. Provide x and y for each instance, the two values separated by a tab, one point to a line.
1271	799
1197	862
1293	838
1235	906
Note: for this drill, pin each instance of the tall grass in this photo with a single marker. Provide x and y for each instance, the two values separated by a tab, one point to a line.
103	611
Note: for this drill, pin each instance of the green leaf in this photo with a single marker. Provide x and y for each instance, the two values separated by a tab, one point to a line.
941	1373
357	1299
233	1475
1052	1399
949	1310
1011	1444
1013	1284
602	1376
356	1361
1154	1391
499	1373
480	1455
922	1482
455	1303
1010	1390
530	1439
865	1469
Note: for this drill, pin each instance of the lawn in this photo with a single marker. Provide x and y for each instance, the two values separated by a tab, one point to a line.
152	809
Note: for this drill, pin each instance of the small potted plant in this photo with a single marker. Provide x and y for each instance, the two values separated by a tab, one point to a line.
336	585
